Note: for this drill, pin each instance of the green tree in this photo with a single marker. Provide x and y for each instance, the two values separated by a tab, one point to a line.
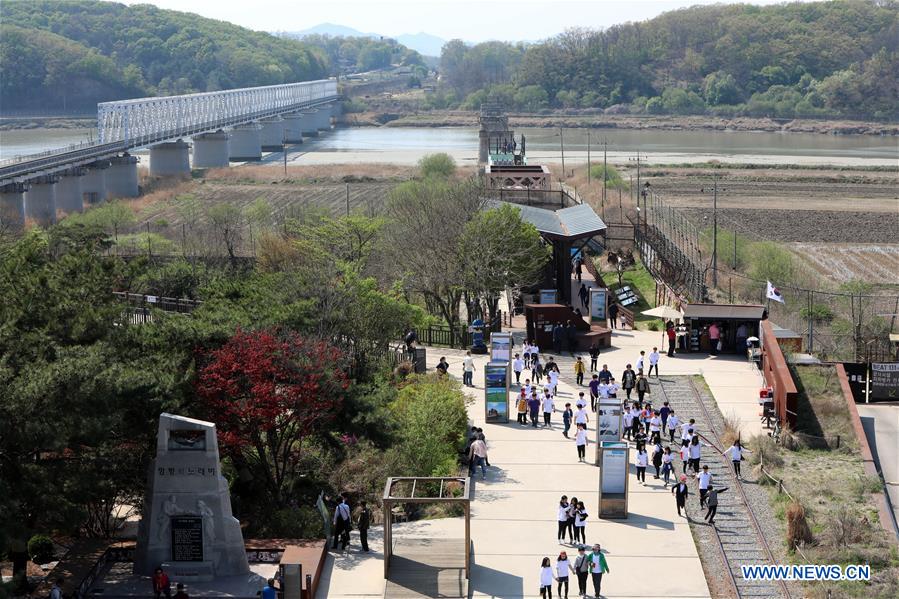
439	165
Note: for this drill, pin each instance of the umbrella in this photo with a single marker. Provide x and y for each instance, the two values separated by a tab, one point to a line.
664	312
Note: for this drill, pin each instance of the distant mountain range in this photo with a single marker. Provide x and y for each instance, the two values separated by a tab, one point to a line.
423	43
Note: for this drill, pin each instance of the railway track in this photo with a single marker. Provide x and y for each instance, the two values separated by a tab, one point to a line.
738	535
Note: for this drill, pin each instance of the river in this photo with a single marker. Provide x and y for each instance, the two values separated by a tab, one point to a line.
406	145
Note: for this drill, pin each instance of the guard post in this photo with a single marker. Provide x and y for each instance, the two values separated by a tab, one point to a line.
613	479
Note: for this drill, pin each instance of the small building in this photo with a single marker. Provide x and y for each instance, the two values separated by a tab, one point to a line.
733	321
789	341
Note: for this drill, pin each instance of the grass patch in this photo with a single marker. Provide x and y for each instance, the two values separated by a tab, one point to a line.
822	410
639	279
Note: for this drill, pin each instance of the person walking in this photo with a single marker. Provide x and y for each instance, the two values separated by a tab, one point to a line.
736	452
642	386
468	370
563	568
671	333
628	380
714	338
571	335
572	517
536	368
580	440
655	428
364	523
664	412
705	481
672	424
598	567
534	408
711	500
628	421
563	519
613	388
161	584
684	458
654	361
582	571
477	456
641	460
579	369
680	492
594	356
526	353
567	416
341	522
553	382
580	522
548	408
581	417
605	375
695	453
517	368
584	295
667	465
594	391
523	408
657	458
640	362
546	579
613	315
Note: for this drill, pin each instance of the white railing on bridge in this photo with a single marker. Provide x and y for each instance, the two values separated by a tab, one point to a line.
147	120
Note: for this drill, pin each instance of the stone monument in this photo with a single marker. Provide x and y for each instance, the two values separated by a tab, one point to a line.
187	526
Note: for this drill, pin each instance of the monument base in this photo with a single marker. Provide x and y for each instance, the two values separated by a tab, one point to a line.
190	571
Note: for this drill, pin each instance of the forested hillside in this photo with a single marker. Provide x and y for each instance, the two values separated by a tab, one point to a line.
799	59
354	54
71	55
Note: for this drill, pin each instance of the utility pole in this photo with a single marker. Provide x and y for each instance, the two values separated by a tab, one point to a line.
588	156
715	230
639	190
562	145
605	174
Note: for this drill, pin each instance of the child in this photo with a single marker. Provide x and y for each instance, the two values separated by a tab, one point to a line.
546	579
567	415
523	408
580	439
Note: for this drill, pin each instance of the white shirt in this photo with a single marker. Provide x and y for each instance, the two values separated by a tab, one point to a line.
655	423
528	389
342	512
479	448
673	421
578	521
642	459
613	388
580	437
553	377
684	428
562	568
581	402
548	405
535	349
518	365
640	363
468	364
628	419
695	451
735	452
704	479
546	577
581	416
666	458
603	390
563	512
684	453
654	358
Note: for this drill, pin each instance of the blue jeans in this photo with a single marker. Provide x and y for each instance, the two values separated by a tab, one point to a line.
477	461
467	377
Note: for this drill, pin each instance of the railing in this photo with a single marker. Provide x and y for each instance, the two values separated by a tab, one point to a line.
444	336
140	305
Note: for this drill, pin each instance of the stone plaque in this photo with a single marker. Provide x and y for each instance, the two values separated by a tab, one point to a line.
187	539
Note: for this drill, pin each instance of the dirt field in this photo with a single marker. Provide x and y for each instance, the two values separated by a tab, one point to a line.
843	262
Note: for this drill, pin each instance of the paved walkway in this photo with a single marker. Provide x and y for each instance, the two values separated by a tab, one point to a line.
514	509
881	424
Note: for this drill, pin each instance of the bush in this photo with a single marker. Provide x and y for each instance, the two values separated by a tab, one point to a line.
304	522
437	165
41	549
798	531
818	313
613	180
432	419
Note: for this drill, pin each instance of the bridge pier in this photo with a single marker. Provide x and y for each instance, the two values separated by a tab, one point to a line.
121	177
246	144
271	137
211	150
12	205
325	113
69	194
293	128
93	184
170	159
310	123
40	200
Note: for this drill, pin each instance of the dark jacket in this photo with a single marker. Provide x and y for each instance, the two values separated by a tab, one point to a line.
712	498
364	518
643	384
629	378
681	490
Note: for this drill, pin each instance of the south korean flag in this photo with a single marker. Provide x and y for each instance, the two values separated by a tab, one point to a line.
774	293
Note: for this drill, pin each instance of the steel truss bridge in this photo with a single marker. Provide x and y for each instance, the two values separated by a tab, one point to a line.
129	124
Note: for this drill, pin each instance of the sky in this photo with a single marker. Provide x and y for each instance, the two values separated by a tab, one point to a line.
473	21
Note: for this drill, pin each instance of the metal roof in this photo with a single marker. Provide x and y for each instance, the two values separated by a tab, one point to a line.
724	311
575	222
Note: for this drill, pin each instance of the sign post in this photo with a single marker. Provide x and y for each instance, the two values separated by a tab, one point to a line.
599	297
884	380
547	296
496	391
609	420
613	479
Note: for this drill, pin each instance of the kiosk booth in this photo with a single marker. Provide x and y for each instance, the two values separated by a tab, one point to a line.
735	323
609	421
496	391
613	479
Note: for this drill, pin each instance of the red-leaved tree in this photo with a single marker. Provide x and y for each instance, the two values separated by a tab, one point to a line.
267	392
